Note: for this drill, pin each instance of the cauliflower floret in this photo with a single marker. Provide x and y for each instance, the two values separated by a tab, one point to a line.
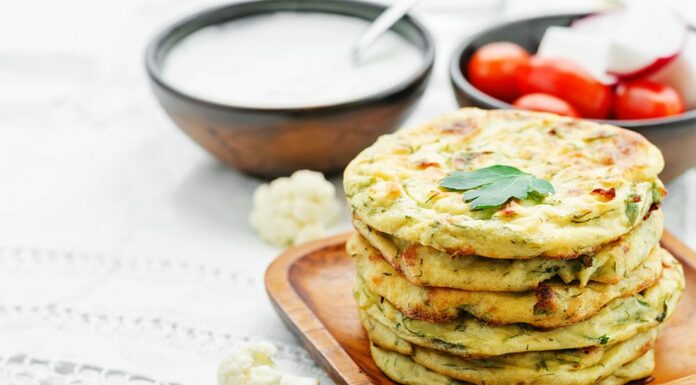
253	365
234	369
295	209
264	375
262	353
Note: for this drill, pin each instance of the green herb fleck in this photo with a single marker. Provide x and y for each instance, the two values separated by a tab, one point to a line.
540	311
656	193
631	209
661	317
575	220
431	197
447	345
405	322
569	356
626	318
495	185
603	340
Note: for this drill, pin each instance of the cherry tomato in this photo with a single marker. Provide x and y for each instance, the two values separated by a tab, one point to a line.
644	99
568	81
546	103
492	69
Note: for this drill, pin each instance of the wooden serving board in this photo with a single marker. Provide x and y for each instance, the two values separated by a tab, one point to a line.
311	288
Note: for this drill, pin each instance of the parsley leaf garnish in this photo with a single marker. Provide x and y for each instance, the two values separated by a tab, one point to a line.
603	340
493	186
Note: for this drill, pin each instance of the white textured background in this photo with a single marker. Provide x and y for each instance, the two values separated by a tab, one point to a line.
124	245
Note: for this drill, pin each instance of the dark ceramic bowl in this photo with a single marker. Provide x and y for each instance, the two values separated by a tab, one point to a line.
675	135
272	142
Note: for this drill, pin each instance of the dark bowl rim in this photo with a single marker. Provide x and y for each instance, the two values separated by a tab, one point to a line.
154	70
459	80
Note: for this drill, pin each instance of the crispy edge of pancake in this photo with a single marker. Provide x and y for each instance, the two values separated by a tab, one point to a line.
551	305
570	223
489	371
574	359
425	266
404	370
567	359
638	369
383	336
470	338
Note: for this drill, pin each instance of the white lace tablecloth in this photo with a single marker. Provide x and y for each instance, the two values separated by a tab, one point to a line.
125	253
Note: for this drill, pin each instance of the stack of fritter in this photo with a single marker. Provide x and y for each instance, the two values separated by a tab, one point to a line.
509	247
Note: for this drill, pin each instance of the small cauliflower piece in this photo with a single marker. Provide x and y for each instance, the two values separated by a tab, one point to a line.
261	352
253	365
264	375
234	369
296	209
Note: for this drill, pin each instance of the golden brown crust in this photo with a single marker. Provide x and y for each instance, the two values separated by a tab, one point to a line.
393	186
552	305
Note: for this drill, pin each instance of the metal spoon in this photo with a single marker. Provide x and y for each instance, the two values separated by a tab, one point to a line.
382	23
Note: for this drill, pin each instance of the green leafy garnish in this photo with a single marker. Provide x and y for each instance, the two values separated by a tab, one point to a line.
493	186
603	340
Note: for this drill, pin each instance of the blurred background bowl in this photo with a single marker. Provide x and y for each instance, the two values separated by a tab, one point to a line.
271	142
674	135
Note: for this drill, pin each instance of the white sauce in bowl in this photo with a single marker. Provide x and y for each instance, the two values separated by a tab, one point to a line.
287	59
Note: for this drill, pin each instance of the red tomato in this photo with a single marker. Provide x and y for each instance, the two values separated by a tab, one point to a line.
644	99
492	69
568	81
546	103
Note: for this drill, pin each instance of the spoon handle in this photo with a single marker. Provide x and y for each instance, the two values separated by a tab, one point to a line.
382	23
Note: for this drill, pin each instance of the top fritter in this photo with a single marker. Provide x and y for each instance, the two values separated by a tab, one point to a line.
603	182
